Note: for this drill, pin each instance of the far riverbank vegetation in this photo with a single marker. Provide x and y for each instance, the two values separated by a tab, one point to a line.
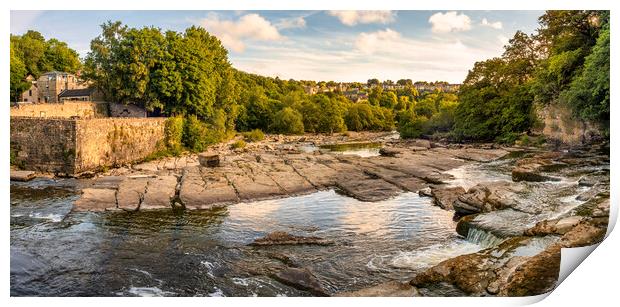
187	77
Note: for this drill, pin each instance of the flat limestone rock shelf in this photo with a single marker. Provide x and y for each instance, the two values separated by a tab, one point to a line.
270	174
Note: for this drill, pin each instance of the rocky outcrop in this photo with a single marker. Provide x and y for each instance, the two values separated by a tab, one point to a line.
531	169
487	197
284	238
207	159
389	152
445	197
17	175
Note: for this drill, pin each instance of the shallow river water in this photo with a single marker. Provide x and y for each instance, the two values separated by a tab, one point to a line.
56	252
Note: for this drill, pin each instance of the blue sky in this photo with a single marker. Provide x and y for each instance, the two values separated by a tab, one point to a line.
318	45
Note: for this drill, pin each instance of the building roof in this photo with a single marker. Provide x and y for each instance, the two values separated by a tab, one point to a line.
55	72
76	93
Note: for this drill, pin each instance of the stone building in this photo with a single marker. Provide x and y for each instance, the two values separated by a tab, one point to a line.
51	84
31	94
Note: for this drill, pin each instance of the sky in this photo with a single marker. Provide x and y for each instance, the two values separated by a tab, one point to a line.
342	46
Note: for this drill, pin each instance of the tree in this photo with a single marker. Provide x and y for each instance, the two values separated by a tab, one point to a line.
58	56
330	115
375	95
32	55
388	100
372	82
17	76
288	121
588	94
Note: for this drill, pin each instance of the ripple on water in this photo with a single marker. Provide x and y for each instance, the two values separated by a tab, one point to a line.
201	252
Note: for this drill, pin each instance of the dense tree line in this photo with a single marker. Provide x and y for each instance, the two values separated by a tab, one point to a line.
32	54
566	61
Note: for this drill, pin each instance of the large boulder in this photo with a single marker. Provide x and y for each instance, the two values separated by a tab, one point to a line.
487	197
208	159
445	197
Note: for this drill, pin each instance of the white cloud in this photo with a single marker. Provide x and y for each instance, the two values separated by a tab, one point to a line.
351	18
384	54
495	25
233	33
450	22
291	23
371	42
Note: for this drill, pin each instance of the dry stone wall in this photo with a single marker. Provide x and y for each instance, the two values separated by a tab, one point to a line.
116	141
77	145
79	109
43	144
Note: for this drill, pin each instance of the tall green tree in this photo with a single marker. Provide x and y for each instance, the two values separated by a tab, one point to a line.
17	76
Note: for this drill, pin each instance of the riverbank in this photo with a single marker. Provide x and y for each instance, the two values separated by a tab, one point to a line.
268	216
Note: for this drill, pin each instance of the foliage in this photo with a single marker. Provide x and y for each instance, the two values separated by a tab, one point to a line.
17	76
288	121
32	55
254	135
238	144
197	135
588	93
176	73
173	134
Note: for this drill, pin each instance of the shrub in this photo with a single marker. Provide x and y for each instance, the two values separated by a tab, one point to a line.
288	121
195	134
173	134
413	127
254	135
238	144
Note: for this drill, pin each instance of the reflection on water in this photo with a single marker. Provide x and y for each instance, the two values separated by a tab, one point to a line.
205	253
363	149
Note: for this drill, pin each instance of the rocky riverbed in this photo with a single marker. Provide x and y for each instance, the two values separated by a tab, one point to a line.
500	218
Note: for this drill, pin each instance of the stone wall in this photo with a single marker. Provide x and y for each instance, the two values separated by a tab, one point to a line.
77	145
123	110
561	126
43	144
116	141
81	109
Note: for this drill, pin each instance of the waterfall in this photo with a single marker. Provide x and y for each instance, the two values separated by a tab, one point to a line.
483	238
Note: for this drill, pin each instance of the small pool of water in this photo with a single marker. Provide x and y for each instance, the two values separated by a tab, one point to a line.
57	252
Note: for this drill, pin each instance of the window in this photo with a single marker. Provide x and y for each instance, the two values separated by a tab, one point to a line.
30	93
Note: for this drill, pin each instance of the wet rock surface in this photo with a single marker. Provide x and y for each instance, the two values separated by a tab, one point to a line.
487	197
526	262
284	238
302	279
389	289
